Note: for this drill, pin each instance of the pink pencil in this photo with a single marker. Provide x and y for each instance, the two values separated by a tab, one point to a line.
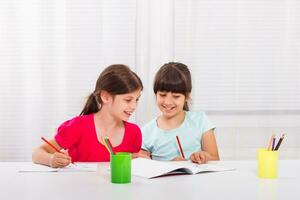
270	142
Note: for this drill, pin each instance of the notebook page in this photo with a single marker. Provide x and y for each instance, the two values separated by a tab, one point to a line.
151	168
78	167
211	166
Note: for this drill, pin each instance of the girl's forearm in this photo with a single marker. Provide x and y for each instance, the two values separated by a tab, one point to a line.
41	156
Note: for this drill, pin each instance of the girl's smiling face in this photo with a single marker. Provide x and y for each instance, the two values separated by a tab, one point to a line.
169	103
123	105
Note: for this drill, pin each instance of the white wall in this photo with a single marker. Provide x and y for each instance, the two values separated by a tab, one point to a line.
242	139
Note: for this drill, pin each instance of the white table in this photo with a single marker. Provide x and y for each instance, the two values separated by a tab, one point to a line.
241	184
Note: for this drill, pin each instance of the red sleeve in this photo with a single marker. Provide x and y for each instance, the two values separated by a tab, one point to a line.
68	133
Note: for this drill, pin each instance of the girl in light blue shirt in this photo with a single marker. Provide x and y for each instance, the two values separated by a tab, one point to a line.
172	88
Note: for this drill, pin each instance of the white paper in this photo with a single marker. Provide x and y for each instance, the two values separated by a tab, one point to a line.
151	168
77	167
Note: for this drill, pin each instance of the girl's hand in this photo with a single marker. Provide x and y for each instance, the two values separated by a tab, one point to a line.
178	158
142	154
60	159
134	155
200	157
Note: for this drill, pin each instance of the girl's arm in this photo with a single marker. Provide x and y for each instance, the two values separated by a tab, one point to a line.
209	150
209	145
144	154
46	155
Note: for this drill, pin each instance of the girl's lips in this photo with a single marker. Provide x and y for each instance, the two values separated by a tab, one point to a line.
168	109
128	113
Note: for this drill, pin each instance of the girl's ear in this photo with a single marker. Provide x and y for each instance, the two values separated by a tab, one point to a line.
105	96
188	98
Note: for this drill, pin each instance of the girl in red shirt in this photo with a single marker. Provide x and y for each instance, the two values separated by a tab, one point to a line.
105	113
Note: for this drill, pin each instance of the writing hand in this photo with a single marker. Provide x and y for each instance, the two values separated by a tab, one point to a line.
178	158
60	159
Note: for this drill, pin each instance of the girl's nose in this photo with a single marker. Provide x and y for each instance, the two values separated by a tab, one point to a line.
168	100
133	105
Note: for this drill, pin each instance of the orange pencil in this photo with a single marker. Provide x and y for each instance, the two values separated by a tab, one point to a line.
51	145
180	148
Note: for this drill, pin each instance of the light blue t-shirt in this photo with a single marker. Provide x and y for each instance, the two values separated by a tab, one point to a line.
163	144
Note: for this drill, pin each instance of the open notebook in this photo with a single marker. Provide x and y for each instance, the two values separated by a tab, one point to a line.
78	167
151	168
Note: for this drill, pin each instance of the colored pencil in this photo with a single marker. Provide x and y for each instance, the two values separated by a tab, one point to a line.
56	149
279	142
270	142
104	143
180	147
51	145
109	145
273	143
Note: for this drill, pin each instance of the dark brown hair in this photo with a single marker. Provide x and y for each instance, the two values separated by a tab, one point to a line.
174	77
115	79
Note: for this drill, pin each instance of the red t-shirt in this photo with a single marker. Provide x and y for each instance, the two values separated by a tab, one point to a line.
79	136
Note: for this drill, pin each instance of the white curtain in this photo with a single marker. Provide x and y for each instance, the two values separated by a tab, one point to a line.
52	53
154	47
246	52
243	55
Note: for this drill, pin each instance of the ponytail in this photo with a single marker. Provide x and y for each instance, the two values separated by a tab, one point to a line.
91	105
115	79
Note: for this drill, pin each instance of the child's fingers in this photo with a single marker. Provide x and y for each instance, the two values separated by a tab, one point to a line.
61	162
55	164
199	158
192	158
62	155
178	158
66	152
207	156
195	158
136	155
202	157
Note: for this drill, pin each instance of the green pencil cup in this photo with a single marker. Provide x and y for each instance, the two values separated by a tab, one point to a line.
120	167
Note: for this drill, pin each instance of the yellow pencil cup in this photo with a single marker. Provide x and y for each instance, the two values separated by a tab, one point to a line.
267	163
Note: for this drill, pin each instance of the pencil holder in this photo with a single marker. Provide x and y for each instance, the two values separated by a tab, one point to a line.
120	167
267	163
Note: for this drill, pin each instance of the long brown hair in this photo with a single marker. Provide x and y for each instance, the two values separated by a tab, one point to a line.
174	77
115	79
